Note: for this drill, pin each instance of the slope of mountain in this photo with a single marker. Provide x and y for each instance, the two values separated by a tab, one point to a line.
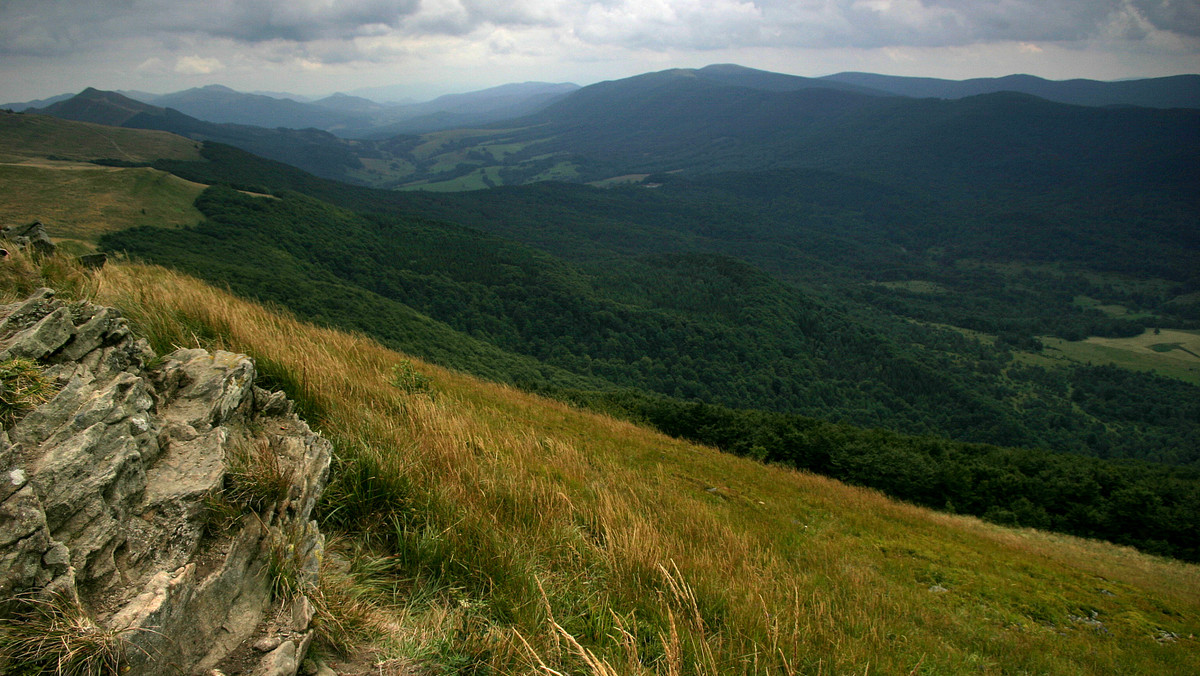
350	104
690	121
502	102
751	78
681	321
37	103
100	107
47	174
465	110
360	117
28	137
215	103
677	121
499	532
317	151
1177	91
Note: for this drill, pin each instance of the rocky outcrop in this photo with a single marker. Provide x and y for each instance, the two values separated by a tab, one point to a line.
32	237
107	492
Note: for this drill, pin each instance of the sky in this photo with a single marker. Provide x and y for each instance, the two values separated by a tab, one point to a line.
424	48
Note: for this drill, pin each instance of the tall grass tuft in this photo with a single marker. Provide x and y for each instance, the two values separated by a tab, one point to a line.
254	475
55	635
22	389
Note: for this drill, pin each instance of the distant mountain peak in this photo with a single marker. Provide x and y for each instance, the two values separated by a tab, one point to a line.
1176	91
99	106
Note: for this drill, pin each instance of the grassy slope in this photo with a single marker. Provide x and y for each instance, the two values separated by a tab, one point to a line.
659	556
23	136
81	201
1177	358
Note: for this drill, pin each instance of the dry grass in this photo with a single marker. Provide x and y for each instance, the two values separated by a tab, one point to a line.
84	201
527	537
22	389
55	635
38	136
21	273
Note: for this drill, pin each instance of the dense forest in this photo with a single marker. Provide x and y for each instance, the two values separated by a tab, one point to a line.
692	326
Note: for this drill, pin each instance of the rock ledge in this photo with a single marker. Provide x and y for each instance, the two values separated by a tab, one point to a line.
107	491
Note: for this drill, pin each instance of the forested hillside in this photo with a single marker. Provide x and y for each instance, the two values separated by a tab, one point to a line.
690	325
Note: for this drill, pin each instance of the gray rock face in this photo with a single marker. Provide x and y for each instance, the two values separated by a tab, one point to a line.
103	489
32	236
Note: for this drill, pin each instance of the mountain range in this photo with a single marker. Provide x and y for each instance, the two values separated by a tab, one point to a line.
358	115
345	115
1176	91
710	119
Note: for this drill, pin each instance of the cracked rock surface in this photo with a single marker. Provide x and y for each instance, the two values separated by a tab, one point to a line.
103	489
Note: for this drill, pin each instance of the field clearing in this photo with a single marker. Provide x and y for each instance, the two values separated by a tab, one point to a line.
379	172
26	136
619	180
451	161
1112	310
916	286
500	151
84	201
435	141
1172	353
472	181
563	171
1170	343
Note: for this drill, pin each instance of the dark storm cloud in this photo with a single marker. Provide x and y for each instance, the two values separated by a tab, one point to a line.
1176	16
59	26
293	20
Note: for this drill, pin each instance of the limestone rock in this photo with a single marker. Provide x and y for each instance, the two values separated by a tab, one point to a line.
103	490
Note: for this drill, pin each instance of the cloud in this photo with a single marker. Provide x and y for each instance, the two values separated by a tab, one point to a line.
196	65
1175	16
349	29
152	65
290	20
55	26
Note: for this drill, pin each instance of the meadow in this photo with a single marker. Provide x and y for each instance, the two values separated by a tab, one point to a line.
80	201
